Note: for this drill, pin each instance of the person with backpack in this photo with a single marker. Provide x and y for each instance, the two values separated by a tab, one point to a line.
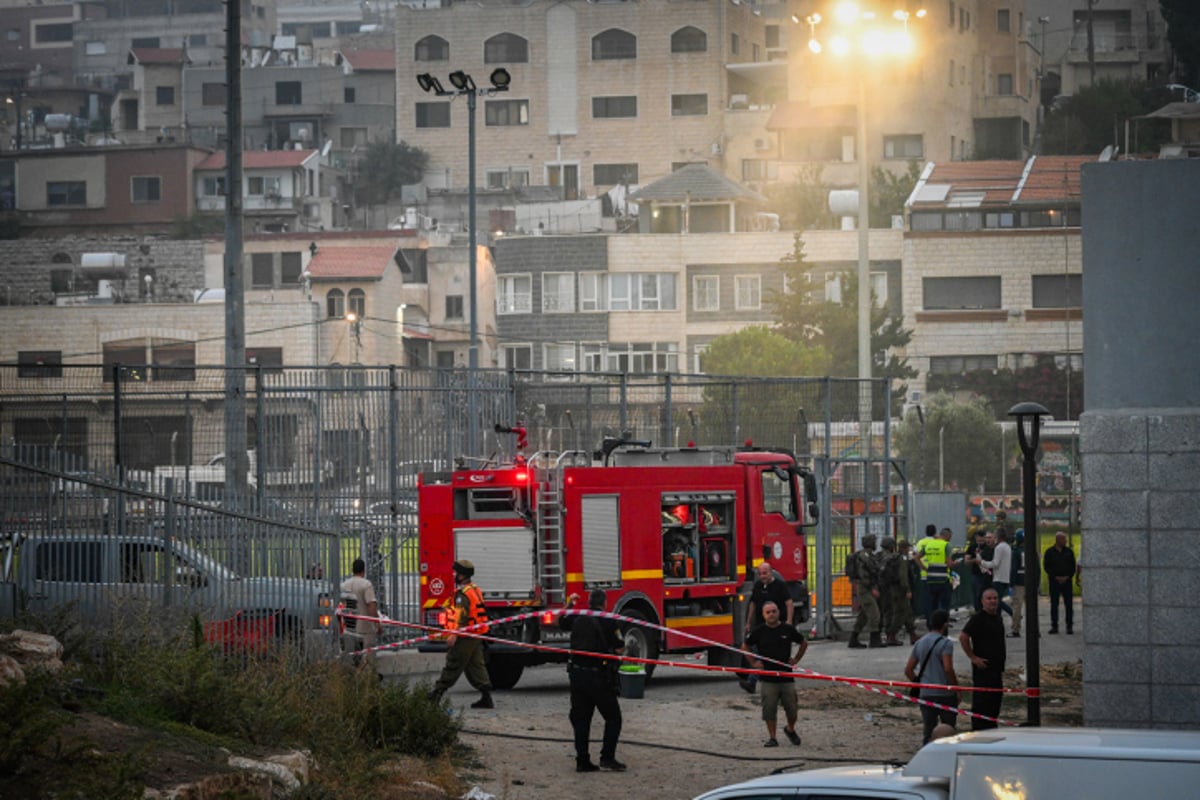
863	572
894	579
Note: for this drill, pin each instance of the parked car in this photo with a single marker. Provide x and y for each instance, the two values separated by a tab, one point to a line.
1096	763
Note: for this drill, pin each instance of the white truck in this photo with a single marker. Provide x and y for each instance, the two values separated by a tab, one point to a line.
1093	763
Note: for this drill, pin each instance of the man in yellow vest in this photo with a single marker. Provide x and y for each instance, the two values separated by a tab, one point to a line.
466	652
933	557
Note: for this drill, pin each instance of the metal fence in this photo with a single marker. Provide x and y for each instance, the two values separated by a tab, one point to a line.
334	452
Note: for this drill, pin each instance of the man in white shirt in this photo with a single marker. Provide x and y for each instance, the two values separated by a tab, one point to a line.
1000	566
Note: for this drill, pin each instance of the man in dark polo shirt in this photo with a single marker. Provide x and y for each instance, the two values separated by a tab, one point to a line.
982	640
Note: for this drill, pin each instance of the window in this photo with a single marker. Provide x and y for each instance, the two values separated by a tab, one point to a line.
649	291
593	291
13	34
960	293
164	95
415	265
508	178
613	44
748	296
214	187
689	105
145	189
145	41
335	304
454	306
909	145
506	112
643	357
129	354
879	289
47	33
352	137
356	303
706	293
1002	20
262	271
613	174
772	35
288	93
514	294
262	185
212	94
1057	291
146	278
95	48
735	44
506	48
833	287
173	360
290	269
197	40
698	358
431	48
558	292
39	364
558	357
689	40
433	115
1004	84
516	356
349	94
66	193
958	365
614	107
755	169
62	281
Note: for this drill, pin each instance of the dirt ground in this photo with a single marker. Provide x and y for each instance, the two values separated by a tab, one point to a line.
678	748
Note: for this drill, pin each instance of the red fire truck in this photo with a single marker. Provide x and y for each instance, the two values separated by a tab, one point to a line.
672	535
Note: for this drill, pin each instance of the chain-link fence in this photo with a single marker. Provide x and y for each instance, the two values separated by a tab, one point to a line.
339	449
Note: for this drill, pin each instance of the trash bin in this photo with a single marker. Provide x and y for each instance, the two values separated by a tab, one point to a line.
633	681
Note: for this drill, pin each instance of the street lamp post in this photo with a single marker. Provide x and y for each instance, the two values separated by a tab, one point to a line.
1029	426
464	86
859	34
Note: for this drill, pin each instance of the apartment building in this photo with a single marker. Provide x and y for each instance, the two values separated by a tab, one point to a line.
993	272
1082	42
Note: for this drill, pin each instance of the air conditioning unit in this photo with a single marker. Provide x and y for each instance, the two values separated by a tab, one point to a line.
716	148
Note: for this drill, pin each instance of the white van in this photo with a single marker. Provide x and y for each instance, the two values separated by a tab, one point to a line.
1093	763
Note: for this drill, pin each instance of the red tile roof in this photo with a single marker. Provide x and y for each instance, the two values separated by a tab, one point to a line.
157	55
371	60
352	263
1053	178
260	159
997	180
1041	180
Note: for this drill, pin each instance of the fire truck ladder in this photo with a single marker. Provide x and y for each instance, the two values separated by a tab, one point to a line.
551	576
551	562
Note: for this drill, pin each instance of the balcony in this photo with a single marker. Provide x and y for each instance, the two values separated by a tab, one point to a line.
1110	48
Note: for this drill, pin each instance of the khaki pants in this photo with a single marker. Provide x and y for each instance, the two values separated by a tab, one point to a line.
868	612
1018	602
465	655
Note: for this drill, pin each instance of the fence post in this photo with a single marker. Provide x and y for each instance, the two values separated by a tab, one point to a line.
668	439
260	416
623	416
393	598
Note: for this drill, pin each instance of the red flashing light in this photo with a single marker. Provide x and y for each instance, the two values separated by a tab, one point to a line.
522	476
547	618
691	444
749	443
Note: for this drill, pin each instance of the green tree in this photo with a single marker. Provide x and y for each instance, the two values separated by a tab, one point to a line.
961	436
386	168
1183	32
1095	117
767	412
889	193
805	316
803	204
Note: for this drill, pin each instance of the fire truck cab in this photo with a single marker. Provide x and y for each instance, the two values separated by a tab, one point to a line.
672	535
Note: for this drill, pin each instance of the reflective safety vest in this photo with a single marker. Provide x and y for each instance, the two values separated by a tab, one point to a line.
933	553
468	610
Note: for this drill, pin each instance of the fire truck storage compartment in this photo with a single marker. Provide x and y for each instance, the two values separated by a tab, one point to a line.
503	502
503	558
601	525
698	536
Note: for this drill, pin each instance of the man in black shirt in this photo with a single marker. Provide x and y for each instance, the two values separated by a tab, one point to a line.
773	640
982	640
1059	565
767	588
593	682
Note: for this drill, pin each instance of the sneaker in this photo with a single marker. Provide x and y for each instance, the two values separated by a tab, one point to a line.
746	684
793	737
586	766
771	743
613	764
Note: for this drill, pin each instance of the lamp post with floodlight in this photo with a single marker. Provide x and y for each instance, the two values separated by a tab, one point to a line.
464	86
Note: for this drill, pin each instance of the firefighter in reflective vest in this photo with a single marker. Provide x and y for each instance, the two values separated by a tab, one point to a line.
466	652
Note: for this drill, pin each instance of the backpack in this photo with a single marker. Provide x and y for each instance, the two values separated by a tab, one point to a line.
890	574
852	566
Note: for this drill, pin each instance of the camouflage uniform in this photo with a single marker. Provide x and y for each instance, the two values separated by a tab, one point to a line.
868	606
900	598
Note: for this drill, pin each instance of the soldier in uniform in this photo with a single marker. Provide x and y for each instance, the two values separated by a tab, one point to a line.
866	587
898	578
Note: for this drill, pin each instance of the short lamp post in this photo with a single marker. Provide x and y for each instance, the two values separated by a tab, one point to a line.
464	86
1029	428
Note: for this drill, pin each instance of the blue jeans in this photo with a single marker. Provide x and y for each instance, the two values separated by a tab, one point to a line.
937	595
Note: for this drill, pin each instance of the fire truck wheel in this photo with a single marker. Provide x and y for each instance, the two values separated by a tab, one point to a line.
641	642
504	671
